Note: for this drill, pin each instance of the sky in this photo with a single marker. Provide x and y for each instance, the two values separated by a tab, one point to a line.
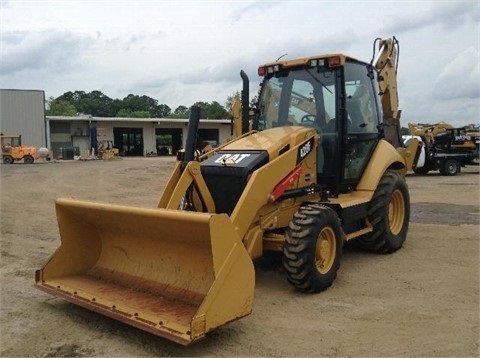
180	52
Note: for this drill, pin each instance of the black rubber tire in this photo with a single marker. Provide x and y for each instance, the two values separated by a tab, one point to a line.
28	159
450	167
389	214
421	171
312	250
7	160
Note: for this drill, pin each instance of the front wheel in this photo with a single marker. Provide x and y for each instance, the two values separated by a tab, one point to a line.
312	249
389	214
7	160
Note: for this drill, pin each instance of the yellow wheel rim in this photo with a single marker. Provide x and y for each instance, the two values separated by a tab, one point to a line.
325	250
396	212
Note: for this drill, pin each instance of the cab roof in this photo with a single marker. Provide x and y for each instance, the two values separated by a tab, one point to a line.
302	61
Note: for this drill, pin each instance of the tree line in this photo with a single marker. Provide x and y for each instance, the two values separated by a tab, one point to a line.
97	104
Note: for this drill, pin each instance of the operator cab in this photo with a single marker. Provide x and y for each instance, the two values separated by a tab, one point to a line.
336	95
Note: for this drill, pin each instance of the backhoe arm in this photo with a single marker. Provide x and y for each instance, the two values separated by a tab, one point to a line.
386	63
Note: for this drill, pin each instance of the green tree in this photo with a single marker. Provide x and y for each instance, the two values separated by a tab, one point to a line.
57	107
162	111
212	110
134	103
181	109
230	100
181	112
97	104
72	97
94	103
117	105
125	113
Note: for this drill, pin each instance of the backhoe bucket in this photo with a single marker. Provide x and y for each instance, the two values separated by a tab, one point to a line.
176	274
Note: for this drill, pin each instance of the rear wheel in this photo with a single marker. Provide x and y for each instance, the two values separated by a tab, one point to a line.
7	160
312	249
450	167
389	214
28	159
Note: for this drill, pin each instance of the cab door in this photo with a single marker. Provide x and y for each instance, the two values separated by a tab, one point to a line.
361	121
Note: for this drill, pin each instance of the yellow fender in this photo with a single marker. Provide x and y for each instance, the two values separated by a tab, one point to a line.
384	157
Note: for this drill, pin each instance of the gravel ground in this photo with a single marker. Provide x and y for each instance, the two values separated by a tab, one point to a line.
422	301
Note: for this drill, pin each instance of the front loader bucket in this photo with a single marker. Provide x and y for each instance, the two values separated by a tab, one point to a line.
176	274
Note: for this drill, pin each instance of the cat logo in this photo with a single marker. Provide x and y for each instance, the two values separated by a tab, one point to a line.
227	159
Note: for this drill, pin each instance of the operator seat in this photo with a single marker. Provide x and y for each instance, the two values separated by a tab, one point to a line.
326	147
358	111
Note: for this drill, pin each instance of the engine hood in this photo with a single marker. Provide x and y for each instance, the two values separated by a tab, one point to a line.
274	141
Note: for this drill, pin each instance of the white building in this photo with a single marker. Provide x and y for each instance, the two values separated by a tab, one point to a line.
132	136
22	112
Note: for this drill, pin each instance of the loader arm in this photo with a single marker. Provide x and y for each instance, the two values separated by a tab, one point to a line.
260	187
192	176
261	182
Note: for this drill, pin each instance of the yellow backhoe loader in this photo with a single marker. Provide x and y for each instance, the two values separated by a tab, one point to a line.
320	163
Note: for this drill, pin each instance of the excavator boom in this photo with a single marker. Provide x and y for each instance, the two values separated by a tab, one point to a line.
386	63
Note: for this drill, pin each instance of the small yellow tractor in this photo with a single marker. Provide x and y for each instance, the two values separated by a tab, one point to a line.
13	150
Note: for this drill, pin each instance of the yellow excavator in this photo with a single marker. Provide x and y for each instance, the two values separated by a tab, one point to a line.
443	147
318	161
445	134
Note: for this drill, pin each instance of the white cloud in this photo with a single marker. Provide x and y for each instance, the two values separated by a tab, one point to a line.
50	51
253	9
449	15
180	52
461	77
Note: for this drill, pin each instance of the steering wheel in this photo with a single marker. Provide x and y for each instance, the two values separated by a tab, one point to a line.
308	118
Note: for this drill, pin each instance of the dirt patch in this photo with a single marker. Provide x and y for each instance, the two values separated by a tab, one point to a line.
421	301
68	350
439	213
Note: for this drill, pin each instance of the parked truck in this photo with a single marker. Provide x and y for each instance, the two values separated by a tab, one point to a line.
444	148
